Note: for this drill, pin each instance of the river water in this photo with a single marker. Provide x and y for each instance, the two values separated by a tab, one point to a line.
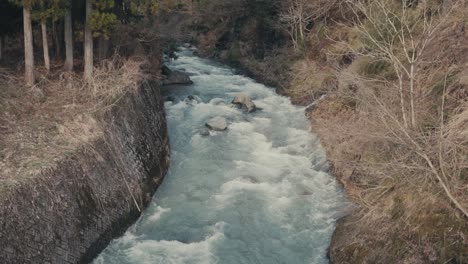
256	193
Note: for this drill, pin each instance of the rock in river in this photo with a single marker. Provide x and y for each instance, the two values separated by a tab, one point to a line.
204	132
245	103
217	123
175	77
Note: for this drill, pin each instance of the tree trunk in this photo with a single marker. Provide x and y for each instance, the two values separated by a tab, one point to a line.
402	100
28	47
45	45
88	45
68	41
412	80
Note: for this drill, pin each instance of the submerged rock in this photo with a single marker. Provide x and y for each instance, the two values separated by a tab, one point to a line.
245	102
217	101
175	77
194	98
169	99
205	132
217	123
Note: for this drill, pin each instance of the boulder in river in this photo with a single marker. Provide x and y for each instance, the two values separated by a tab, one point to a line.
194	98
217	101
205	132
245	102
175	77
217	123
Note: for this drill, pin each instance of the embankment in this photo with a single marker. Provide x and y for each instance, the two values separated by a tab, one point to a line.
70	212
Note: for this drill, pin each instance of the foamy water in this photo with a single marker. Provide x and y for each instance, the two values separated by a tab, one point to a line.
257	193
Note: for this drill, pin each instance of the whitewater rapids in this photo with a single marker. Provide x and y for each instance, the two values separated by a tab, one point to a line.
256	193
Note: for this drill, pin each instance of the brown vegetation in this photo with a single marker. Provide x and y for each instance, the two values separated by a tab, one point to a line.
389	128
393	121
40	125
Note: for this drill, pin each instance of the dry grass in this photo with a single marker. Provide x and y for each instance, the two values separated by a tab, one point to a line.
393	185
42	124
410	183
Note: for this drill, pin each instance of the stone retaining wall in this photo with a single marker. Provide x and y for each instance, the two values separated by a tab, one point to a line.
69	213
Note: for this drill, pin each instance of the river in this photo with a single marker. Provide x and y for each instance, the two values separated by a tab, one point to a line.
256	193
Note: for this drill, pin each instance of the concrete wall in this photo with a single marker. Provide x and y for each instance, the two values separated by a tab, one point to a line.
72	211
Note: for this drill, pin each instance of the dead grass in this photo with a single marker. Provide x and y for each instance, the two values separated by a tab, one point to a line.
404	215
410	184
42	124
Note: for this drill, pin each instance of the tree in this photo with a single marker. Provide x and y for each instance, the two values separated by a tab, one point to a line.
28	45
45	43
28	40
68	39
296	18
88	43
103	22
100	20
151	7
399	35
45	11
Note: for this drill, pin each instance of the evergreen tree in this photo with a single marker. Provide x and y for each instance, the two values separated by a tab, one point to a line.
45	11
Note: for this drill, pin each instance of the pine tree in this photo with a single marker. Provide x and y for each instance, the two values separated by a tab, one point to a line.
103	22
44	11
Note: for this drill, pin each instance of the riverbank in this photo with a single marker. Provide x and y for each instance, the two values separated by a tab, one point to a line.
79	163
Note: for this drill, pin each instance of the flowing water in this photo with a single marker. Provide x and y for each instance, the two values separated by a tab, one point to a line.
256	193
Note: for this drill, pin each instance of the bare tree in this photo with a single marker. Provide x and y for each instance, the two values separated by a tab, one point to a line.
300	14
444	163
296	18
399	35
